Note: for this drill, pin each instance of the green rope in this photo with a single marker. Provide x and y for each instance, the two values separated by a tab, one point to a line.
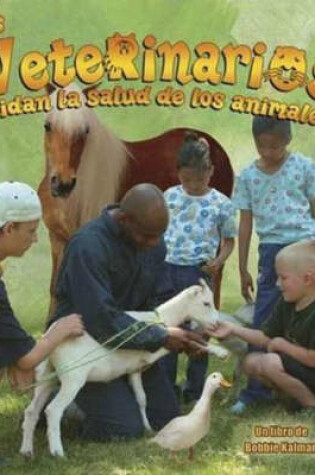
134	325
105	343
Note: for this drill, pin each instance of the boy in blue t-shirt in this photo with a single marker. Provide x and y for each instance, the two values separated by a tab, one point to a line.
277	191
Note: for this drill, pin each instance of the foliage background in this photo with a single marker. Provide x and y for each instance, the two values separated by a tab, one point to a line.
34	24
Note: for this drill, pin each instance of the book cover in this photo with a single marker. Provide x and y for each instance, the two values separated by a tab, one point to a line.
149	67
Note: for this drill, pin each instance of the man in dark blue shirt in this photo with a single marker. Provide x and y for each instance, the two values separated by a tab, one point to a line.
111	265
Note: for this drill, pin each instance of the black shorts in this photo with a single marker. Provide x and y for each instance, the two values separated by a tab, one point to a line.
299	371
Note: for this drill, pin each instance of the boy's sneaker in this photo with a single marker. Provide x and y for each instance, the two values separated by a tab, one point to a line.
238	408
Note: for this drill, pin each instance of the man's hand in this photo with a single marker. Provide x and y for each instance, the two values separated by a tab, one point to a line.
247	286
20	379
185	340
220	329
277	344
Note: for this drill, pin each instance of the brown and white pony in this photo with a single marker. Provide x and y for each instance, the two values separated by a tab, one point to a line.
88	167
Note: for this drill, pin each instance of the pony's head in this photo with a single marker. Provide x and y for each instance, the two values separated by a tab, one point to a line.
66	133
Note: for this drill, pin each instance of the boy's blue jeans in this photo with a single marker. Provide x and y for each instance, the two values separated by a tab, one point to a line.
267	296
174	279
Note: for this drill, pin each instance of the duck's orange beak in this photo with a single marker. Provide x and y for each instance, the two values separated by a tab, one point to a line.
225	384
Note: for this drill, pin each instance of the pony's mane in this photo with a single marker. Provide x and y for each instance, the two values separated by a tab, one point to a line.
71	121
103	164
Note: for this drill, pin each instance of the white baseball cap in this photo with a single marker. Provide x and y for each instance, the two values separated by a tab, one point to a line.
18	203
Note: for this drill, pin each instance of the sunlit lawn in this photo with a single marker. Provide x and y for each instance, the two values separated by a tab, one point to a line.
221	452
35	25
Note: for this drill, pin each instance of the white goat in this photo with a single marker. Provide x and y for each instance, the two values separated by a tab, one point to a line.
83	357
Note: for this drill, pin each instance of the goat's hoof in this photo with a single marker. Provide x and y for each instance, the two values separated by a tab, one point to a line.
149	430
28	454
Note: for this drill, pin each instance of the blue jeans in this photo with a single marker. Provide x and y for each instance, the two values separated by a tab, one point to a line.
267	296
173	280
111	409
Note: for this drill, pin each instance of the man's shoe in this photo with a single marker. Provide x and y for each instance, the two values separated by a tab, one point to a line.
74	413
190	397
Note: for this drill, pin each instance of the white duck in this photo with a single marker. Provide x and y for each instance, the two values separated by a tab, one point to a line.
185	431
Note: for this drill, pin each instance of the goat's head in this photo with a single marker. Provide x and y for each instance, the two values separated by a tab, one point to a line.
200	304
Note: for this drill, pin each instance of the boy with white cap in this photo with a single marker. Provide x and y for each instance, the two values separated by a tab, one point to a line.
20	212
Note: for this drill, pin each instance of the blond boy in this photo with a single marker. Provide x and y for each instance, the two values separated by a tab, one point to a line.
288	336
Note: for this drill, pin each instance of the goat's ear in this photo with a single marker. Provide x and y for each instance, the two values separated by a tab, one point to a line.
195	290
203	284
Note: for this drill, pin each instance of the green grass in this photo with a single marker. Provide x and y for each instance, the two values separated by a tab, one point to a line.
221	452
34	25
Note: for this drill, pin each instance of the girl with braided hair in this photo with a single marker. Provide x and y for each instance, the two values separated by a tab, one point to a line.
199	239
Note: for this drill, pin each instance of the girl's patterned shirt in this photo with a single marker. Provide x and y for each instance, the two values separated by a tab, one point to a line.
280	202
197	224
